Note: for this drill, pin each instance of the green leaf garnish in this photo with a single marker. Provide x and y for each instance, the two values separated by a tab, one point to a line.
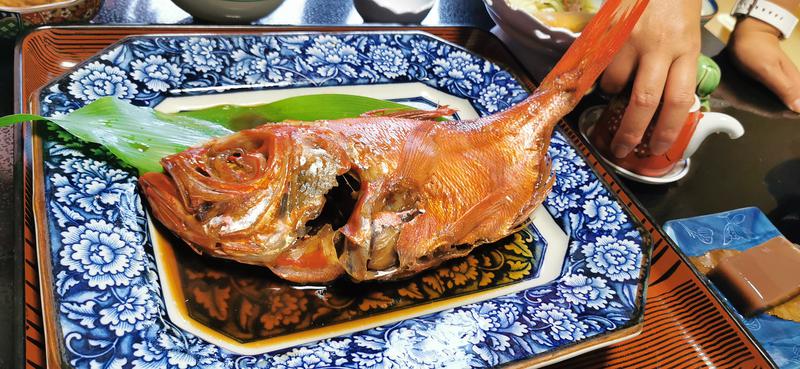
301	108
138	136
141	136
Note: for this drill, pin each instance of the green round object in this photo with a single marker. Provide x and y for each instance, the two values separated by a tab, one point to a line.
708	76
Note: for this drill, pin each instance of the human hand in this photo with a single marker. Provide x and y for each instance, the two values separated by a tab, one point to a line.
662	54
755	48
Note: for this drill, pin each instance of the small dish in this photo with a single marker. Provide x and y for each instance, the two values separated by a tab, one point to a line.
392	11
13	20
708	11
585	125
740	229
228	11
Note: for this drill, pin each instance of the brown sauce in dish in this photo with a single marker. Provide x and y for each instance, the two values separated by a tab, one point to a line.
248	303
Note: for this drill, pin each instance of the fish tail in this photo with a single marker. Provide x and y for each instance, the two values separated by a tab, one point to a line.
594	50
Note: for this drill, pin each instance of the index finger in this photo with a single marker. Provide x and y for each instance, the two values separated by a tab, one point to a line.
645	98
678	100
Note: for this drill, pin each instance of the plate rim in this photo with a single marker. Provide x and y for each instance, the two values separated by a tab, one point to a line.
46	276
645	245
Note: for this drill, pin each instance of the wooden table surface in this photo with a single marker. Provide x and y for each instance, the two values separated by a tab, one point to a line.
761	169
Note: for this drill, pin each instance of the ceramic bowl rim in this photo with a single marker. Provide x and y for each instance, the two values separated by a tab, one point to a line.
574	35
539	22
36	8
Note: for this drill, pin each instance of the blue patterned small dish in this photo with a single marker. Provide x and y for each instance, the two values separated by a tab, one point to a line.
740	230
575	276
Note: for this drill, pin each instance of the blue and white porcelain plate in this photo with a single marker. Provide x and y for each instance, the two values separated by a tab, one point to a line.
112	298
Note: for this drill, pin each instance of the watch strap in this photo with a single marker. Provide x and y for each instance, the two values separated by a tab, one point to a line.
768	12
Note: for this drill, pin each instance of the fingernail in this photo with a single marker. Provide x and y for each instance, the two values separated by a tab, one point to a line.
622	150
795	106
659	147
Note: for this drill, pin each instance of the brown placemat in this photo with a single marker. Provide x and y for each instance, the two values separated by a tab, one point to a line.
685	326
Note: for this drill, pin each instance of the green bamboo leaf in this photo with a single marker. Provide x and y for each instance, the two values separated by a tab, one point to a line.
302	108
141	136
138	136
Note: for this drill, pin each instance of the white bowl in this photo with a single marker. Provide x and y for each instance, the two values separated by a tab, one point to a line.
527	29
533	33
393	11
228	11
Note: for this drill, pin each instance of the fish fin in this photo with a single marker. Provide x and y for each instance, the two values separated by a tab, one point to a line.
410	113
476	216
594	50
544	183
415	162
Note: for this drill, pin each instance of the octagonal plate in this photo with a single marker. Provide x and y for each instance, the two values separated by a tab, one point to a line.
126	296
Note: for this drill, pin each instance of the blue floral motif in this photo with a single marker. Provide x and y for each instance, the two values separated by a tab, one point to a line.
569	175
494	98
157	73
201	53
131	311
389	61
440	346
105	255
425	50
259	64
561	200
459	72
499	330
618	259
164	349
560	323
331	56
97	80
308	358
110	308
604	212
401	343
582	290
90	184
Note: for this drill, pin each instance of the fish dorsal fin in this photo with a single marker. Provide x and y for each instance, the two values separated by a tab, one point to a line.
410	113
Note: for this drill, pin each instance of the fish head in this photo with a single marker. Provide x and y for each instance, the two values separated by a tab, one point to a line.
250	196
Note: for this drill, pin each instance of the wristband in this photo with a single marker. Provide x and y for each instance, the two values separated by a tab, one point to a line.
768	12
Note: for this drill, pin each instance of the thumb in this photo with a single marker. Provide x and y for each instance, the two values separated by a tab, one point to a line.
790	93
783	79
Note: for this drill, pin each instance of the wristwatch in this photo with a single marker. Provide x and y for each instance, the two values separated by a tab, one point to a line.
768	12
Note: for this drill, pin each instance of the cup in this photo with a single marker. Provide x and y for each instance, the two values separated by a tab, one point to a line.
697	126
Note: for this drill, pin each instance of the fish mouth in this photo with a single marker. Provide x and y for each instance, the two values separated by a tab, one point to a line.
339	204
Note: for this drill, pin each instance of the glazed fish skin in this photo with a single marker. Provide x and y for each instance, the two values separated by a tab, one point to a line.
248	196
427	191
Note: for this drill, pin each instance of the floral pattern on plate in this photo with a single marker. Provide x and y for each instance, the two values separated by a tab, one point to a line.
110	308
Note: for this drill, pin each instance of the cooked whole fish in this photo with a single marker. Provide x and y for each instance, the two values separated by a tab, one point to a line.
382	196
